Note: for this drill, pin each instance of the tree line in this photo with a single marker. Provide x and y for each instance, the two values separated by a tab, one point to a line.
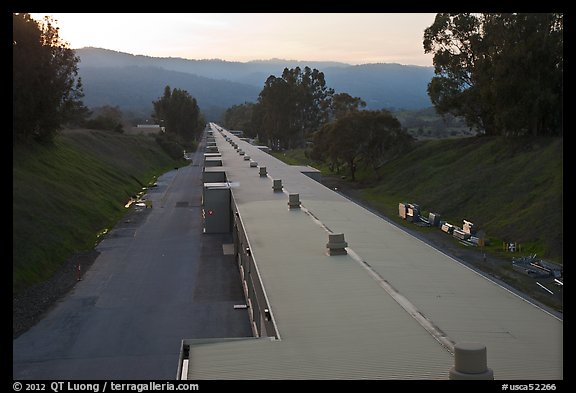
290	108
298	109
500	72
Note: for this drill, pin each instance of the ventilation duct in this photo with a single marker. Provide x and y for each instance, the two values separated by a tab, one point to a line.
277	185
294	201
470	362
336	244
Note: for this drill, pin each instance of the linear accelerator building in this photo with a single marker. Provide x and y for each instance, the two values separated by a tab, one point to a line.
335	292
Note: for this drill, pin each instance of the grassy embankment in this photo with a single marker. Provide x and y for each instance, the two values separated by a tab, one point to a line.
66	195
510	188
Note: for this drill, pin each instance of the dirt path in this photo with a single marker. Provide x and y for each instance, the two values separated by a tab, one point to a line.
493	267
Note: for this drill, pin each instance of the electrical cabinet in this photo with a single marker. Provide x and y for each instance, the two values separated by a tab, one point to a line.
216	209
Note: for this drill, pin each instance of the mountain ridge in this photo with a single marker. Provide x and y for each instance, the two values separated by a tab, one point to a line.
107	81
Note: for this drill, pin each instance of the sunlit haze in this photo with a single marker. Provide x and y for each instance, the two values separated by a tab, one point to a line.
352	38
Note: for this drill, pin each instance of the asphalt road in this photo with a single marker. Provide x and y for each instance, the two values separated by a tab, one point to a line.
158	280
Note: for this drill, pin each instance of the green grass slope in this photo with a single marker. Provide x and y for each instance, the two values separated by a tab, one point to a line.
510	188
65	195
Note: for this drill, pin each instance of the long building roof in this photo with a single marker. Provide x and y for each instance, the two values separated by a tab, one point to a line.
389	309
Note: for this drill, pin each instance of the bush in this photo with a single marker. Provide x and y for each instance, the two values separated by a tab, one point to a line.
170	145
105	124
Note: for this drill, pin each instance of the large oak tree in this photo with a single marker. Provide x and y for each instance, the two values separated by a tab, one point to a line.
368	138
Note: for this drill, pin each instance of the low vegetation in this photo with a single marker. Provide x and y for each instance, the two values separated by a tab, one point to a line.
426	123
67	193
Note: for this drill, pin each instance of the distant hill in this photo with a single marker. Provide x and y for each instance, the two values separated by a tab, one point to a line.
134	88
133	81
252	73
384	85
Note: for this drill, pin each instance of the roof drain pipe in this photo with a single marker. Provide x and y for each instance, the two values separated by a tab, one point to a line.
470	362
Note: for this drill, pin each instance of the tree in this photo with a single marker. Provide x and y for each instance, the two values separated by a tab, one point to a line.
313	99
344	103
178	112
276	113
501	72
76	113
349	141
324	150
106	117
368	138
459	58
45	92
239	117
292	106
386	138
528	72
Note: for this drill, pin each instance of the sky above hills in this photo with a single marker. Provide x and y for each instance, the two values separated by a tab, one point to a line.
353	38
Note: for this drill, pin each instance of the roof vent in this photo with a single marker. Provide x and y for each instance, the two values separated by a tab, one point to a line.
253	164
294	201
262	170
470	362
277	185
246	158
336	244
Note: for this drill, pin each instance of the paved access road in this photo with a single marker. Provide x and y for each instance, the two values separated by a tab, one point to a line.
156	281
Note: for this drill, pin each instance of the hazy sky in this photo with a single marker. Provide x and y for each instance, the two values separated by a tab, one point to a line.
353	38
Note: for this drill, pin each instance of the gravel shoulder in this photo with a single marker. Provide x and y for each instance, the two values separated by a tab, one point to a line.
32	305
